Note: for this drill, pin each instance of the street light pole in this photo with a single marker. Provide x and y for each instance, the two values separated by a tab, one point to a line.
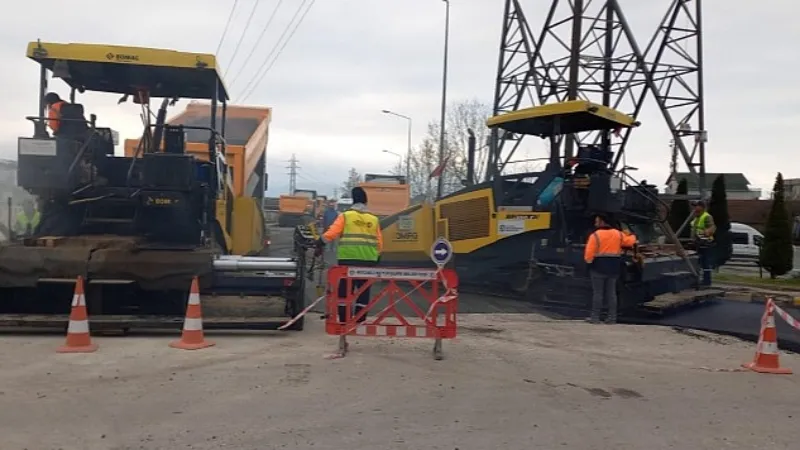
440	184
408	150
399	157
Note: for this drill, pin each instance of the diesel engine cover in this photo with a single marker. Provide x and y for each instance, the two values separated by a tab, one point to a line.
168	171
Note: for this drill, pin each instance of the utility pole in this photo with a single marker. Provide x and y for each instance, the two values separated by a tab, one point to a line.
440	181
292	174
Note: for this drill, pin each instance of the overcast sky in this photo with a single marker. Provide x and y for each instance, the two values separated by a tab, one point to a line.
352	58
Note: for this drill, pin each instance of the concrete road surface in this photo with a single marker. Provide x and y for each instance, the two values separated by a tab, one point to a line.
508	382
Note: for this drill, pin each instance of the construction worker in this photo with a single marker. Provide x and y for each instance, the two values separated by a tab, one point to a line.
54	104
328	217
703	230
603	254
27	219
359	244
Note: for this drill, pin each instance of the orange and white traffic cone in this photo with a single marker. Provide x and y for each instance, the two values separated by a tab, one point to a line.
767	353
78	338
192	336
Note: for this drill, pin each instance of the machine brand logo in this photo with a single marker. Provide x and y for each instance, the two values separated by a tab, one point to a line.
406	236
122	57
529	216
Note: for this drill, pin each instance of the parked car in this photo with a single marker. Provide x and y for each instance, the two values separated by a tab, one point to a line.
746	241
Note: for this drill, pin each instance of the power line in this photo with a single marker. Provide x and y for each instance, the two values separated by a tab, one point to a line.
313	179
227	24
255	46
241	38
280	51
259	76
272	52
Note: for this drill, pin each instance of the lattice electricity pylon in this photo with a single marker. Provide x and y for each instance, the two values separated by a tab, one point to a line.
675	60
586	50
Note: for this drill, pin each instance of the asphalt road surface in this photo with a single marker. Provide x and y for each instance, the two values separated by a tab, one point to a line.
722	316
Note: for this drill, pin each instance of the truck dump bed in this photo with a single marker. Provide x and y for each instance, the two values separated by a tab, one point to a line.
246	133
386	199
290	204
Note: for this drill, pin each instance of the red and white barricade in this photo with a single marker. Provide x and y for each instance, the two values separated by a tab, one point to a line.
428	296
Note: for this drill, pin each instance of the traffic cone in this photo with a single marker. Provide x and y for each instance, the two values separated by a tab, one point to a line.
78	339
767	353
192	335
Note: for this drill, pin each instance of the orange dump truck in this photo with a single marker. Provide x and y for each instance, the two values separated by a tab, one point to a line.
293	210
386	194
297	209
246	134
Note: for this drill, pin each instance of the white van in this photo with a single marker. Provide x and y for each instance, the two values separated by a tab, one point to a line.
746	241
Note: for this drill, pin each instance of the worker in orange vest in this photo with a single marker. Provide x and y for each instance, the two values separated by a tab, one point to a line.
360	243
603	254
54	104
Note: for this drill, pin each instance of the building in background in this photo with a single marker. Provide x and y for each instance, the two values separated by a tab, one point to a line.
737	187
755	212
791	188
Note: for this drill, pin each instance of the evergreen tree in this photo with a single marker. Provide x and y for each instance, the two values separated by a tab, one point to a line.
680	210
777	254
718	208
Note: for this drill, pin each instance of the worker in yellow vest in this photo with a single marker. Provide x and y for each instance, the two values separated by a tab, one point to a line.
703	230
27	219
359	244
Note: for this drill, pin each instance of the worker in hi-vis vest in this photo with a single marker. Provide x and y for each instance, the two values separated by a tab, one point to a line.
27	219
54	104
359	244
603	255
703	230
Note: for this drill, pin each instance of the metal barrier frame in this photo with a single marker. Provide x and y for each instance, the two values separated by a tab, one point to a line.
438	287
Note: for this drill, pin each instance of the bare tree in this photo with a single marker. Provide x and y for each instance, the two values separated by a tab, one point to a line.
423	161
397	169
462	116
353	178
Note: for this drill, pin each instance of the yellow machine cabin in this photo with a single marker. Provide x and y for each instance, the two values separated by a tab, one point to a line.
526	233
490	224
139	230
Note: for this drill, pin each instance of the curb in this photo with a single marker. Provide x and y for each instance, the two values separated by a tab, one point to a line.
781	300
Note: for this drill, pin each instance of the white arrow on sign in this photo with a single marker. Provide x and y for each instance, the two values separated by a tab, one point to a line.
441	252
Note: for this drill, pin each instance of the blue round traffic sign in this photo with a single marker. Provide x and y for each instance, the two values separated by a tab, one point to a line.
441	251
